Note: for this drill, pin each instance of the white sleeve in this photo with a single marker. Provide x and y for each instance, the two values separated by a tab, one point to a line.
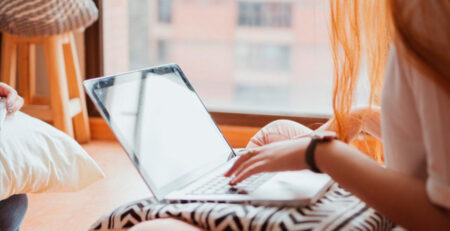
433	108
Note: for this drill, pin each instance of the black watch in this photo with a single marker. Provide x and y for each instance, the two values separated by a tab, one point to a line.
317	137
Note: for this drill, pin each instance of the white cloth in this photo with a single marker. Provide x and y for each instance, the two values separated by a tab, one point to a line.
416	128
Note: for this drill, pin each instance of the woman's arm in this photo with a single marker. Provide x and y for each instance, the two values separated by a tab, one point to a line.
400	197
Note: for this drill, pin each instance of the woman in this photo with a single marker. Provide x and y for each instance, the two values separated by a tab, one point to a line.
12	209
407	42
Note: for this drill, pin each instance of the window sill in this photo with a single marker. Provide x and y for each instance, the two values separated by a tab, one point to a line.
237	128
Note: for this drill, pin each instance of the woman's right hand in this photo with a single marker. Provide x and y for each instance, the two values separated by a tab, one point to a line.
13	101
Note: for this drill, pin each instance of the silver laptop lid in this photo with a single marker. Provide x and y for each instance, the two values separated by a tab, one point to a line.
162	124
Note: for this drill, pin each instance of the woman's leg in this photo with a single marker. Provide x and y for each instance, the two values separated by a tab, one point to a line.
12	212
278	130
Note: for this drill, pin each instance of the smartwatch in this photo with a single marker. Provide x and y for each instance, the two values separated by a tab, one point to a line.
317	137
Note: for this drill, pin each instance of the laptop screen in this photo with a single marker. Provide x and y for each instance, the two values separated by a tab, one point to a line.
163	125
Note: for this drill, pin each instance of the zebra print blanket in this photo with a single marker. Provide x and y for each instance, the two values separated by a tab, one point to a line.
336	210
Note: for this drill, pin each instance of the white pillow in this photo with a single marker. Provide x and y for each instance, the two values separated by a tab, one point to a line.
36	157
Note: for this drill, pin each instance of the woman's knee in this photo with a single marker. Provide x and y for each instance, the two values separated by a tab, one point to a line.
12	212
278	130
288	127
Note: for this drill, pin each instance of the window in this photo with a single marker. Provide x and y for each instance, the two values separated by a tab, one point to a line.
162	51
264	13
165	11
273	96
263	56
254	56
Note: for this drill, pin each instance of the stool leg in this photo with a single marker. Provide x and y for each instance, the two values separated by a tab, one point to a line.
9	60
81	120
26	71
58	85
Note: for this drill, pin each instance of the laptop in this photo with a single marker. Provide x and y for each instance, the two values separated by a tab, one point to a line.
178	149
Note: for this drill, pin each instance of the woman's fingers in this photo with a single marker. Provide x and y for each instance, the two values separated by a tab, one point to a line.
247	164
13	102
17	105
244	157
5	90
253	169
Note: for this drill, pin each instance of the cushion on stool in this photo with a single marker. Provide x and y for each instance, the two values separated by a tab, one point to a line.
36	18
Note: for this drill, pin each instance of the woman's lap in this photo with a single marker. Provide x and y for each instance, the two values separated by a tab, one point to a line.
12	212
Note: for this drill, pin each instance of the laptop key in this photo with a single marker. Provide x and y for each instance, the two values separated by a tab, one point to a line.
220	185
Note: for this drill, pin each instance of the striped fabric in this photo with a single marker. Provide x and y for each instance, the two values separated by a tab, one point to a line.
36	18
337	210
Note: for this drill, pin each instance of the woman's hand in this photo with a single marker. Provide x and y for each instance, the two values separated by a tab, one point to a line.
288	155
13	101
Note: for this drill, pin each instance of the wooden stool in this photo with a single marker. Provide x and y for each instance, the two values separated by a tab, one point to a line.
67	100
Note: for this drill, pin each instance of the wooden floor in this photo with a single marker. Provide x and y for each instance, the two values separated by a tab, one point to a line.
77	211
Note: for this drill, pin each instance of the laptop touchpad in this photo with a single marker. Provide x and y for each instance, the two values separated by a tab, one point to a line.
293	185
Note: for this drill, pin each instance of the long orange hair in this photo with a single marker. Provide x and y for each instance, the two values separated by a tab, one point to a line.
363	30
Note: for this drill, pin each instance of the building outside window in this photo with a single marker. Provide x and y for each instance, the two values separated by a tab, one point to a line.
163	51
165	11
263	56
264	14
246	56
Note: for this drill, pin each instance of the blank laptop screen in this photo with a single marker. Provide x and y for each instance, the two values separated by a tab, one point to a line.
165	126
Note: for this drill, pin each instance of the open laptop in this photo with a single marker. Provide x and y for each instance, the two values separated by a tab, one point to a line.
178	149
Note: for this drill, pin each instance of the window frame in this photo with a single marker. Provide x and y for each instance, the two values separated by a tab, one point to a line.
94	68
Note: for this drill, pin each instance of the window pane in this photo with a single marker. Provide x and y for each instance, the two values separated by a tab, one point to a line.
164	11
252	56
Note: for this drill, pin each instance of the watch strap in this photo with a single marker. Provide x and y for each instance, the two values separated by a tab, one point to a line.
310	150
316	138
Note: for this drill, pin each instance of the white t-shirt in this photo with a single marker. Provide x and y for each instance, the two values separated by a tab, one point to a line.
416	128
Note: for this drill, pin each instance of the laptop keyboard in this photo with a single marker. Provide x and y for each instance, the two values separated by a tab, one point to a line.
219	185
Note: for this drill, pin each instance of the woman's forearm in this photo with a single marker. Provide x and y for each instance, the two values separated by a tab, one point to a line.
400	197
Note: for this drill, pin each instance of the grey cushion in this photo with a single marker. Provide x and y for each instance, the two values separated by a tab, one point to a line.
35	18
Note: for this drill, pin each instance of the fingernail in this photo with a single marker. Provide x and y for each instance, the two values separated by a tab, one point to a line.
10	111
9	104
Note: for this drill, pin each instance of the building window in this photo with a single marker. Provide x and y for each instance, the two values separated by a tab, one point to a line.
276	97
263	56
162	51
265	14
165	11
260	70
